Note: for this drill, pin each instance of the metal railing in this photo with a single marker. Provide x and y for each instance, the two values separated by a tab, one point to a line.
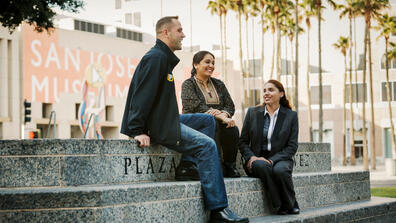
52	117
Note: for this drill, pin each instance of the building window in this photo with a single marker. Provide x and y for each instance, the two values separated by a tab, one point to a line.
255	68
128	18
117	4
357	92
388	142
109	113
127	34
77	25
391	65
77	107
286	68
46	110
392	89
254	98
75	132
88	27
137	19
358	148
361	61
326	93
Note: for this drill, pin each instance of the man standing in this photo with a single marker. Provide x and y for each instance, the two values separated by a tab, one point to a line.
151	114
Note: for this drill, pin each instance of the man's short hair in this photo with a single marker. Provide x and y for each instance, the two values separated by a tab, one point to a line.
164	21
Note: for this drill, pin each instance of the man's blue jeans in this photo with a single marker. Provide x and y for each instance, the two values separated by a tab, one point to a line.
201	122
203	149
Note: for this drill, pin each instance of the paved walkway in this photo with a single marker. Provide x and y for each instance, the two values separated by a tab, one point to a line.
378	177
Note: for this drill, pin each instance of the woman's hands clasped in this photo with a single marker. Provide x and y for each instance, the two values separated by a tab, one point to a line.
222	117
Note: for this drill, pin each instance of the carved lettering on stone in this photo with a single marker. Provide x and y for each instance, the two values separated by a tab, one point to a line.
161	169
301	160
137	165
150	164
128	163
173	165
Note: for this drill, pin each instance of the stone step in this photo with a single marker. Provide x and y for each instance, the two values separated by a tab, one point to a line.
170	201
75	162
378	209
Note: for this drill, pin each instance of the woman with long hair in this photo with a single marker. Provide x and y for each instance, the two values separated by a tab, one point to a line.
268	142
203	93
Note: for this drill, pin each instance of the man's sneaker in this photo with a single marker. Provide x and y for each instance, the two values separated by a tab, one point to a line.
226	215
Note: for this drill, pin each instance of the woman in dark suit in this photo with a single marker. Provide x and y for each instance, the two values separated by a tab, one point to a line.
268	143
204	94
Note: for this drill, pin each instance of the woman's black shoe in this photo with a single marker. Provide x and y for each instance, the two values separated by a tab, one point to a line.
291	211
230	170
187	171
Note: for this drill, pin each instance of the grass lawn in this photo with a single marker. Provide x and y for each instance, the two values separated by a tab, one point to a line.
384	192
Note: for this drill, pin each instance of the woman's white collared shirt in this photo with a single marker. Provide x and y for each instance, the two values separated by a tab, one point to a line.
271	127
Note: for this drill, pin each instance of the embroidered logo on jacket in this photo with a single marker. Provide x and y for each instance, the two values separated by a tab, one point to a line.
170	77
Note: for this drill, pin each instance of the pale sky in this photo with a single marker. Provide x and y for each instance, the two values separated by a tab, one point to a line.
205	29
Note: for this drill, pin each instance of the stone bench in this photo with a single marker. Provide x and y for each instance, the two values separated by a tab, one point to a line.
172	201
73	162
77	180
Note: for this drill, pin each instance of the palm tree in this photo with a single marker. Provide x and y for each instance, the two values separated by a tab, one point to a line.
264	27
248	10
296	62
290	31
319	9
277	10
349	10
387	26
370	9
218	7
239	7
272	17
343	44
391	55
309	11
227	4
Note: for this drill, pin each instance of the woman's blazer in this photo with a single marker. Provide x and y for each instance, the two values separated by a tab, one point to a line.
193	100
284	139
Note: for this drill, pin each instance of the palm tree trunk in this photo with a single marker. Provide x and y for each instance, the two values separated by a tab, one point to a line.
225	47
296	64
288	94
273	55
191	35
293	76
344	128
278	48
388	95
356	67
241	56
373	163
309	88
365	153
262	57
319	5
350	91
247	68
222	49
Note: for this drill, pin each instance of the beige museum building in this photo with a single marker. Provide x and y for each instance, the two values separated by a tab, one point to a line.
49	71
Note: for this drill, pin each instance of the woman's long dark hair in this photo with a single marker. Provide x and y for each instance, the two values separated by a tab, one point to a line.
198	57
283	100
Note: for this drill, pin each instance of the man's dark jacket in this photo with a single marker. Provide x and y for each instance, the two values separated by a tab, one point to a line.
284	139
151	107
